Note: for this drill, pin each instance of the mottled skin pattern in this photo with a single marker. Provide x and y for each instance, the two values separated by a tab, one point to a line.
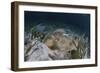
55	46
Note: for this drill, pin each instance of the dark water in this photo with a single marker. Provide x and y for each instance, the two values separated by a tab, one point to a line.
79	23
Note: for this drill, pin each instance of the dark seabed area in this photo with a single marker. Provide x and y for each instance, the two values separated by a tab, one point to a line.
39	26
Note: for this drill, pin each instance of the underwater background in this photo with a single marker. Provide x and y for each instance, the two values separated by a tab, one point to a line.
79	23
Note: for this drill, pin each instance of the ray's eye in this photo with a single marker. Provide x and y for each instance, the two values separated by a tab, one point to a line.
57	39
